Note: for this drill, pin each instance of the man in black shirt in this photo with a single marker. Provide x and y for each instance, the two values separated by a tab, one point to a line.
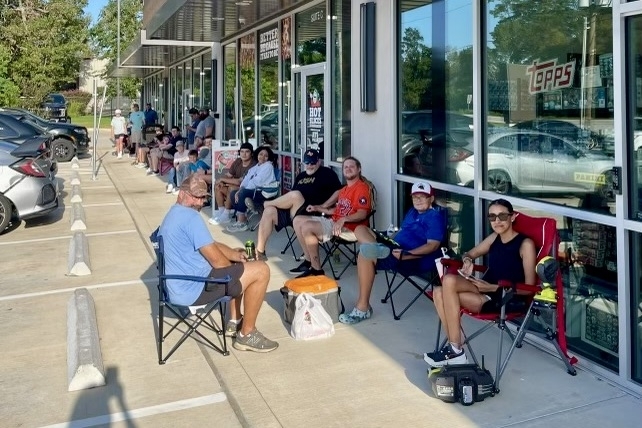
313	186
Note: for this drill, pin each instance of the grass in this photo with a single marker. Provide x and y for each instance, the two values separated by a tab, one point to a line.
88	121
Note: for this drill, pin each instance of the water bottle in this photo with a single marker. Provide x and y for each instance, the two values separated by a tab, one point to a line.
391	230
250	250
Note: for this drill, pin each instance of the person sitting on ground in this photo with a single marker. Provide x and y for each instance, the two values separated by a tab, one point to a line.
313	186
417	244
351	206
165	149
174	179
227	185
260	175
118	131
191	250
511	257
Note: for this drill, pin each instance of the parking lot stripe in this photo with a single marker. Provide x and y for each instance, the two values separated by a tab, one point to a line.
143	412
72	289
56	238
106	204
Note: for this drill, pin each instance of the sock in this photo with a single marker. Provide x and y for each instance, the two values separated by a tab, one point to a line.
236	321
456	349
227	212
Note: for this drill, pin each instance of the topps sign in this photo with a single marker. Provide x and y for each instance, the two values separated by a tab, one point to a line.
548	76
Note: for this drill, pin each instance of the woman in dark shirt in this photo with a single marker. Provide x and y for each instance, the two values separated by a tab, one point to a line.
511	257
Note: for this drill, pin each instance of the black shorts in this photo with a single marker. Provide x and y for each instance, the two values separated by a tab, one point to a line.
214	291
117	136
283	219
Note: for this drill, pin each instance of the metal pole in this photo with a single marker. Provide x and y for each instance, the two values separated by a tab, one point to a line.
583	71
95	134
95	155
118	52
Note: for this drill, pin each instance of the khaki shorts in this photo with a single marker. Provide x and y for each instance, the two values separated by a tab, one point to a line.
136	137
328	225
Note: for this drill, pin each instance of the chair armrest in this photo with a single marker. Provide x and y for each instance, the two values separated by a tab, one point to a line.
222	280
456	264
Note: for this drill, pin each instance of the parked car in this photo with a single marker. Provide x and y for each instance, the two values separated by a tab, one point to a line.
417	130
582	137
28	184
536	162
15	131
68	139
55	108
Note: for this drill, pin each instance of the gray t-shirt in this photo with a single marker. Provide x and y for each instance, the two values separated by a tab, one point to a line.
203	125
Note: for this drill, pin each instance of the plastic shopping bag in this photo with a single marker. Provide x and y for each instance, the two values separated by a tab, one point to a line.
440	266
310	321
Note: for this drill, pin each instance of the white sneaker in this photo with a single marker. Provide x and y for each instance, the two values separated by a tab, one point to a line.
175	192
120	155
148	170
237	227
170	188
221	219
141	165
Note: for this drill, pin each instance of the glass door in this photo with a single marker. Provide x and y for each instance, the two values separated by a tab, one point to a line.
309	111
186	105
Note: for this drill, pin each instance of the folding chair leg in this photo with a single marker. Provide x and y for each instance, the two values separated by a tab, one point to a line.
290	244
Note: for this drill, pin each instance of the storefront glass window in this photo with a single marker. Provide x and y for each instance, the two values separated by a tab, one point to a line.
636	307
179	97
206	72
436	86
634	131
550	103
247	63
188	83
268	115
229	88
197	99
172	95
310	36
341	124
588	263
286	73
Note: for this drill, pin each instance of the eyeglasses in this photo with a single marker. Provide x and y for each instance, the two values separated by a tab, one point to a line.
309	163
500	216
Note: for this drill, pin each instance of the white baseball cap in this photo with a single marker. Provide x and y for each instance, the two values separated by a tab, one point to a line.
117	111
422	187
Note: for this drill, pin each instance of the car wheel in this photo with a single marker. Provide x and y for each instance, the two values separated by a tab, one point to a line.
499	181
6	210
63	150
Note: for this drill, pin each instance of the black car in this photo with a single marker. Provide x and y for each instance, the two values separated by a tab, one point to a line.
55	108
15	131
68	139
585	138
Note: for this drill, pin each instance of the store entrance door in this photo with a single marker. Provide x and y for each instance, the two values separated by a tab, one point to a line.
310	110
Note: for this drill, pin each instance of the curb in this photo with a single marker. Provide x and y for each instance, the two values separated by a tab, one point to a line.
78	220
78	262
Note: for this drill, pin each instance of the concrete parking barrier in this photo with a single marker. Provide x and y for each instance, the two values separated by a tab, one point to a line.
77	217
78	263
85	367
76	194
74	163
75	178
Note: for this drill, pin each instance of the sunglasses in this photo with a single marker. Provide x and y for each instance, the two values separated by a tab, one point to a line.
309	163
500	216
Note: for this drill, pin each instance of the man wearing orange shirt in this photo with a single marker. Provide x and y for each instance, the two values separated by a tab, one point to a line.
346	209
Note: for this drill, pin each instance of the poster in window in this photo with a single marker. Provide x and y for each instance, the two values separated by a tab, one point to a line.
315	119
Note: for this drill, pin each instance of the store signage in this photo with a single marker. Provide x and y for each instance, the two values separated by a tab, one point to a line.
315	117
269	44
549	76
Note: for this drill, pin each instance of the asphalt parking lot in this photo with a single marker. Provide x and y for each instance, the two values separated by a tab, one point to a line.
371	374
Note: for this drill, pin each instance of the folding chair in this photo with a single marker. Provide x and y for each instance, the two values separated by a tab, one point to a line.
191	317
165	165
422	282
289	231
543	232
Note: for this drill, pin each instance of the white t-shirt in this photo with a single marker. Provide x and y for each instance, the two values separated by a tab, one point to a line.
181	157
119	124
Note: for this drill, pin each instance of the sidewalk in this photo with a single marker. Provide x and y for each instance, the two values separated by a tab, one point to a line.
370	374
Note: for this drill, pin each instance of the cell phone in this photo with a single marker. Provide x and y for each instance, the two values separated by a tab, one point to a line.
465	275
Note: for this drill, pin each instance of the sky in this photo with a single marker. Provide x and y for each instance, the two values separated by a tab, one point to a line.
93	9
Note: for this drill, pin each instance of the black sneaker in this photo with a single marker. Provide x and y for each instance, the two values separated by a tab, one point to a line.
312	272
303	267
447	357
434	354
262	257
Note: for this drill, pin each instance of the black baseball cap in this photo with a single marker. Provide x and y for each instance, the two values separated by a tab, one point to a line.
311	156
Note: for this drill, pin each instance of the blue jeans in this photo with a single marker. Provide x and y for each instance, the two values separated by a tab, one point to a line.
256	196
171	177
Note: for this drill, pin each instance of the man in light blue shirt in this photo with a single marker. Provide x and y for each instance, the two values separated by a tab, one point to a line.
136	123
190	250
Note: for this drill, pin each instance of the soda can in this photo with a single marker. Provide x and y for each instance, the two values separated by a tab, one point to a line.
250	250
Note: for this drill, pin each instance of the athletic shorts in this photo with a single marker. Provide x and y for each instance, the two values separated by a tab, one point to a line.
214	291
136	137
327	226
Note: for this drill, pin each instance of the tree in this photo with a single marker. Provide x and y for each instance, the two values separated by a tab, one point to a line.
9	91
104	40
416	63
45	41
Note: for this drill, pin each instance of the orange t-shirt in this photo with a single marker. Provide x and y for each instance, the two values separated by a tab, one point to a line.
352	199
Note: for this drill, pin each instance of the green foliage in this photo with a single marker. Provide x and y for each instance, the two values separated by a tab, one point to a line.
104	40
77	102
416	62
46	42
9	91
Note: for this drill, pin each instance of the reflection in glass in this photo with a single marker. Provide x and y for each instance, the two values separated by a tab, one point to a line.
246	63
556	88
172	95
310	35
179	97
634	85
231	109
341	125
436	87
636	307
268	116
286	56
197	99
206	72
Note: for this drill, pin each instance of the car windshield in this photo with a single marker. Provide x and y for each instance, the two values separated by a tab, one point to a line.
55	99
